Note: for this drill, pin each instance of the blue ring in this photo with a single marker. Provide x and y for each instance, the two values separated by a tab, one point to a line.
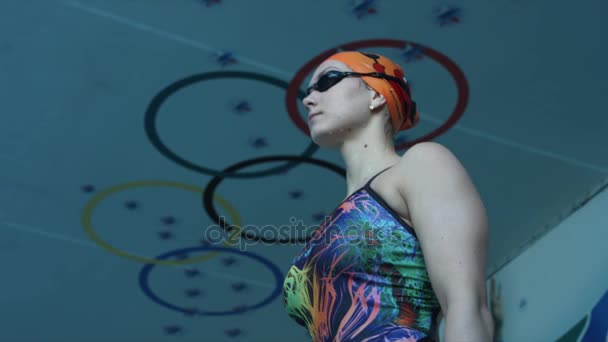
145	272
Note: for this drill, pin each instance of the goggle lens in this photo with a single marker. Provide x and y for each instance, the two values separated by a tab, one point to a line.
327	81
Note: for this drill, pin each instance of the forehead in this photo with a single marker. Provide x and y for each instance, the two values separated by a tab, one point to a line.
331	65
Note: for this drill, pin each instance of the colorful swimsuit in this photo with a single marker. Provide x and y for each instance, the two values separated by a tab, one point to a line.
362	277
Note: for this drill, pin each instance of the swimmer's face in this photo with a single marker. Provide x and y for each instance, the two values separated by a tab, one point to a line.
335	112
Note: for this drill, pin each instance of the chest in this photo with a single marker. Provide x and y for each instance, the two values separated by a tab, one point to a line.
361	235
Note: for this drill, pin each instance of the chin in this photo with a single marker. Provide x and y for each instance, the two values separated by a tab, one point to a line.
326	139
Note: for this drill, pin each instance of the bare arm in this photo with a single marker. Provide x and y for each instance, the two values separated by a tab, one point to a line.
451	224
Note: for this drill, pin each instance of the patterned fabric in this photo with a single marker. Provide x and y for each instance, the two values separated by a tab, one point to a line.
362	277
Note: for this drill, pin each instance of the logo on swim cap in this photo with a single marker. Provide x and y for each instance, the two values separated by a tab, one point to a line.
372	56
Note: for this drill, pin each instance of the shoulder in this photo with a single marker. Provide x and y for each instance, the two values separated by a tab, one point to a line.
427	152
437	188
428	163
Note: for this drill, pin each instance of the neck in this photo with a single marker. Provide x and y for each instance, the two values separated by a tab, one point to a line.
365	156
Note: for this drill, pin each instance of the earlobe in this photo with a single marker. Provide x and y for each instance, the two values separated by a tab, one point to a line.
378	100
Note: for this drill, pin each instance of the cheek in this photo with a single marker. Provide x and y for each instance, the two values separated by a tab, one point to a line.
351	102
347	97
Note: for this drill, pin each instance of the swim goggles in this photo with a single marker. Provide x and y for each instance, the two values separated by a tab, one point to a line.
331	78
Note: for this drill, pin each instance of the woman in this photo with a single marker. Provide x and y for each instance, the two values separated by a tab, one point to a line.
407	247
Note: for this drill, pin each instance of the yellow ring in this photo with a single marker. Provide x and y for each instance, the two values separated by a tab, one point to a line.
87	214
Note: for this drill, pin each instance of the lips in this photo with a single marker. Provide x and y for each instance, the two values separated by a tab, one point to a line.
310	116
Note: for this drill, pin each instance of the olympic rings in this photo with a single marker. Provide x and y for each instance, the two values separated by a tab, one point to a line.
293	93
443	60
157	101
208	195
87	214
278	275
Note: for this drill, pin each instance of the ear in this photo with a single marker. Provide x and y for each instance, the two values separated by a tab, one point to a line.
377	99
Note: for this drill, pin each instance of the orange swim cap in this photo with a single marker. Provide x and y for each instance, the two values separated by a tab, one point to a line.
402	108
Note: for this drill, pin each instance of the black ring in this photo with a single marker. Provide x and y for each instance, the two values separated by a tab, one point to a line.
208	202
161	97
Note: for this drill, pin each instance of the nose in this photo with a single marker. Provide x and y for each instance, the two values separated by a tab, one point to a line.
309	101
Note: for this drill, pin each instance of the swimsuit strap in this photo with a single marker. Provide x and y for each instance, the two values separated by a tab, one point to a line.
376	175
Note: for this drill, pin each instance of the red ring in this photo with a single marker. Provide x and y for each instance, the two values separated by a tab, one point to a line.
462	86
